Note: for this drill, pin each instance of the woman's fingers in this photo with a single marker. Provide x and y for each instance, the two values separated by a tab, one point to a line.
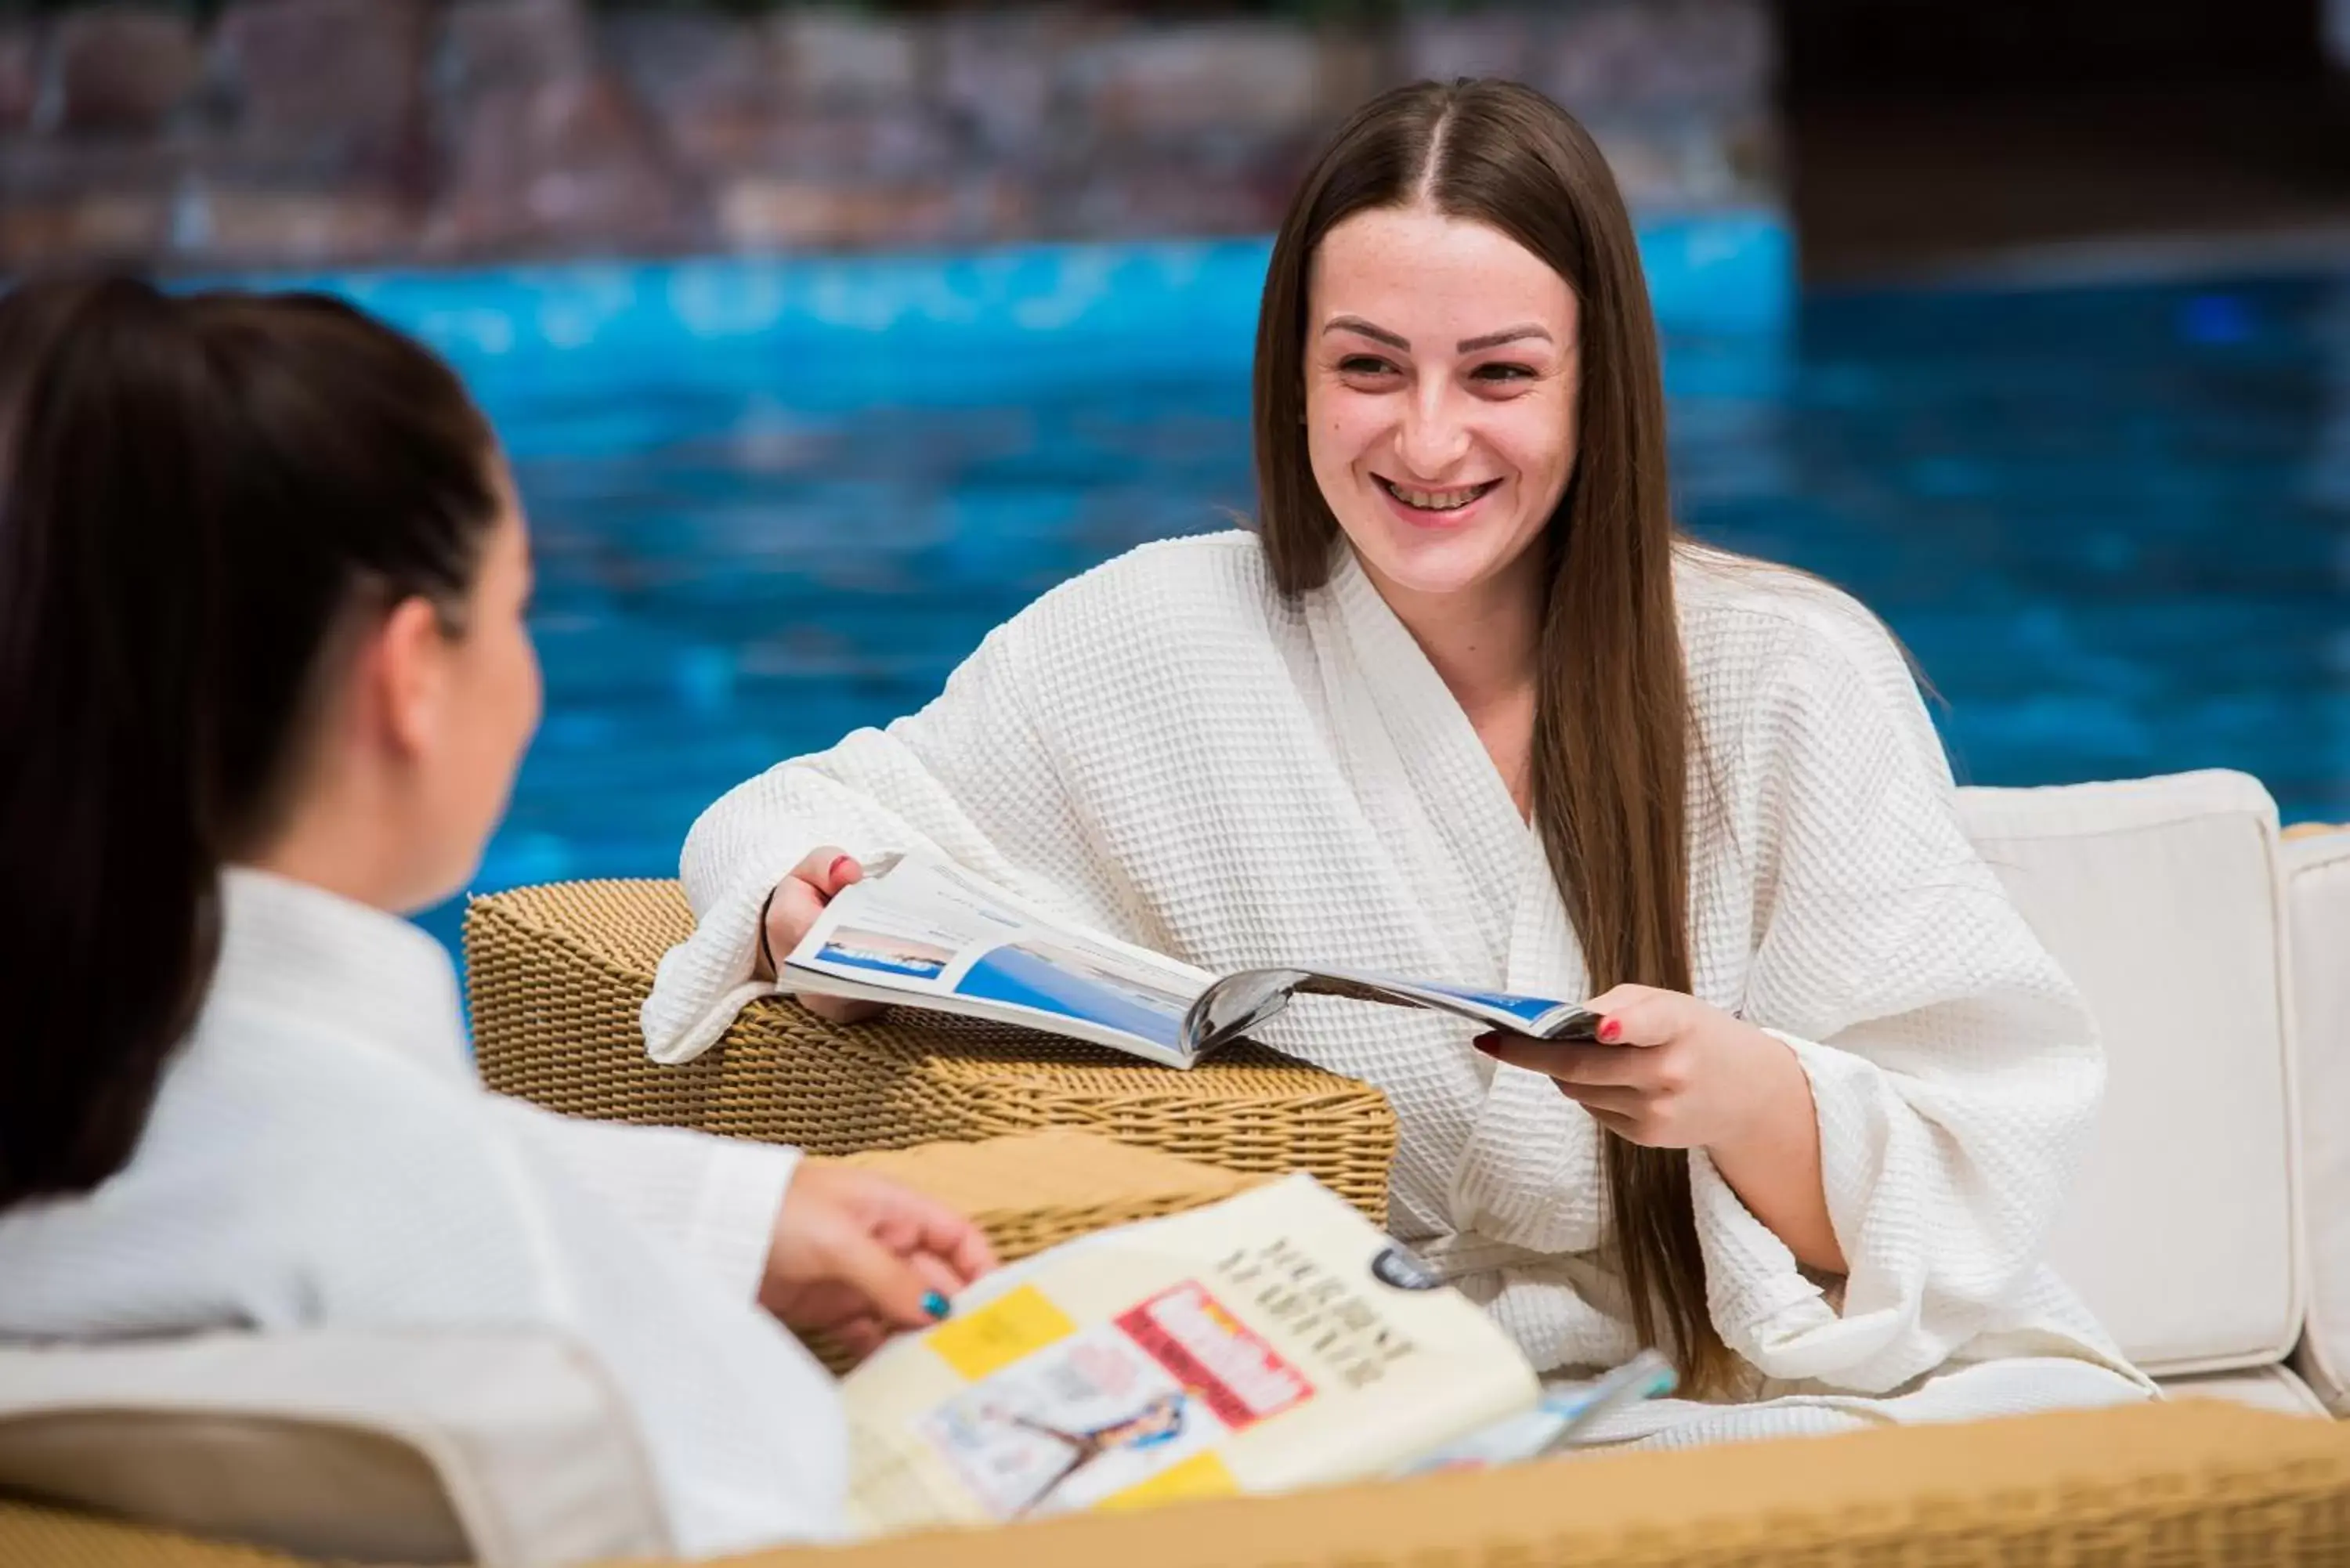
1625	1127
1607	1101
799	899
828	869
1569	1062
937	1273
899	1290
970	1254
790	913
841	1009
923	1227
1639	1014
861	1336
1663	1073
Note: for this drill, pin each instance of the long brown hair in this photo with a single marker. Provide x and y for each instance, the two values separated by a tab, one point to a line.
196	494
1612	727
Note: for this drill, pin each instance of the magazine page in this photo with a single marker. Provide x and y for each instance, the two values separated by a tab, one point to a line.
1566	1412
1238	1002
921	931
1277	1339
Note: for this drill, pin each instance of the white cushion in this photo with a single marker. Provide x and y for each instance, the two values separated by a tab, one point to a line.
508	1449
2262	1387
2318	873
2163	899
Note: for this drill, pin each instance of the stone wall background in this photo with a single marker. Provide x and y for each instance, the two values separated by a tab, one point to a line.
289	133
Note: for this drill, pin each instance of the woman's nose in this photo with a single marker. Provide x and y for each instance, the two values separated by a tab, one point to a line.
1434	436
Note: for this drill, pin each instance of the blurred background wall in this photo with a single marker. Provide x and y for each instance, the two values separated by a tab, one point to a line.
822	338
339	132
1924	133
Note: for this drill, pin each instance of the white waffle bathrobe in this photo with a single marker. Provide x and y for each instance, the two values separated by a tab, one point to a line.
1166	750
321	1155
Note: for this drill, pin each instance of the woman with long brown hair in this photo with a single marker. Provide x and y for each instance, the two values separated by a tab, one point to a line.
1466	706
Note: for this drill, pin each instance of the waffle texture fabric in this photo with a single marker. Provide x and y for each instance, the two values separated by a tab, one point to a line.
1168	750
321	1155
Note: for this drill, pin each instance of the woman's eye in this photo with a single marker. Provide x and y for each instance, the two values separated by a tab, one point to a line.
1364	365
1504	373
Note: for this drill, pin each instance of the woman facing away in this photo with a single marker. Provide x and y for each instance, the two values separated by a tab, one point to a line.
263	681
1466	706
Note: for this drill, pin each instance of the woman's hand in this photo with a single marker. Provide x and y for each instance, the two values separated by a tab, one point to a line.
1672	1072
860	1257
1669	1071
792	907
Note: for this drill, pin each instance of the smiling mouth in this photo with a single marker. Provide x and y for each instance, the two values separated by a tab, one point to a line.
1437	500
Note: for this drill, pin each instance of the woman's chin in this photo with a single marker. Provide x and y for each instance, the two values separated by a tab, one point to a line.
1428	566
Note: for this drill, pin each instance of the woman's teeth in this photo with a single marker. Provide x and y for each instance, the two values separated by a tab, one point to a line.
1437	500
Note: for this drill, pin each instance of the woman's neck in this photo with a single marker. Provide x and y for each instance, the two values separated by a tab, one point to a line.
351	835
1484	641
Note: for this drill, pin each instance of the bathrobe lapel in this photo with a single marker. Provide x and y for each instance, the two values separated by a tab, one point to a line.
1527	1175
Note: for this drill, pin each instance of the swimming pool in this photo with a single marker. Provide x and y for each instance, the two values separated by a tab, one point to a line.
2113	523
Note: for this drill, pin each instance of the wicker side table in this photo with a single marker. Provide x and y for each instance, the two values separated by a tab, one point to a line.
556	974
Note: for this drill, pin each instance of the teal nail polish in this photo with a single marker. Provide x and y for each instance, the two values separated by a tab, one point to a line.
937	1306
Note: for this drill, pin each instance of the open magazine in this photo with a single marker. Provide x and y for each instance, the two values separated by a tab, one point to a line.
923	932
1275	1340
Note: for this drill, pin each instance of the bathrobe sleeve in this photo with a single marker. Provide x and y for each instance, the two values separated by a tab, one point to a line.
716	1197
1954	1069
964	777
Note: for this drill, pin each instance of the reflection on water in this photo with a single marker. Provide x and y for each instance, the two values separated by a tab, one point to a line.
2110	524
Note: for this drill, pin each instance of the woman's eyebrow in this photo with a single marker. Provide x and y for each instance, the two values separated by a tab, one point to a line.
1520	332
1506	335
1377	334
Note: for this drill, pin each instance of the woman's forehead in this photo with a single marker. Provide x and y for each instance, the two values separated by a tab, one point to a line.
1441	271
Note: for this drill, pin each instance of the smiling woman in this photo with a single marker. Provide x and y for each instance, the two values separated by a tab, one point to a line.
1447	460
1484	225
1466	705
1443	465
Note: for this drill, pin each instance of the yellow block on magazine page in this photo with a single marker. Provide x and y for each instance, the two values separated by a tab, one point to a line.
1202	1475
995	1336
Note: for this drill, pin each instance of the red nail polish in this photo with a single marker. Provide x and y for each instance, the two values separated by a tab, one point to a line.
832	872
1610	1031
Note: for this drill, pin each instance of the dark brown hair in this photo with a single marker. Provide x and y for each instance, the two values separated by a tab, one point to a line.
1612	727
196	494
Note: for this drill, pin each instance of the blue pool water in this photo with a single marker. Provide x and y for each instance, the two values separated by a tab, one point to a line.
2113	523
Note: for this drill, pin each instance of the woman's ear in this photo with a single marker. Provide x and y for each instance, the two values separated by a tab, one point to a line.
407	666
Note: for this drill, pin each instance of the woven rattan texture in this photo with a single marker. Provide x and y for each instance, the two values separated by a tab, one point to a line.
36	1537
556	974
2194	1485
1041	1189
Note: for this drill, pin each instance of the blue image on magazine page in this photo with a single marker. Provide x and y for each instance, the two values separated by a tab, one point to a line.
884	951
1054	980
1528	1008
